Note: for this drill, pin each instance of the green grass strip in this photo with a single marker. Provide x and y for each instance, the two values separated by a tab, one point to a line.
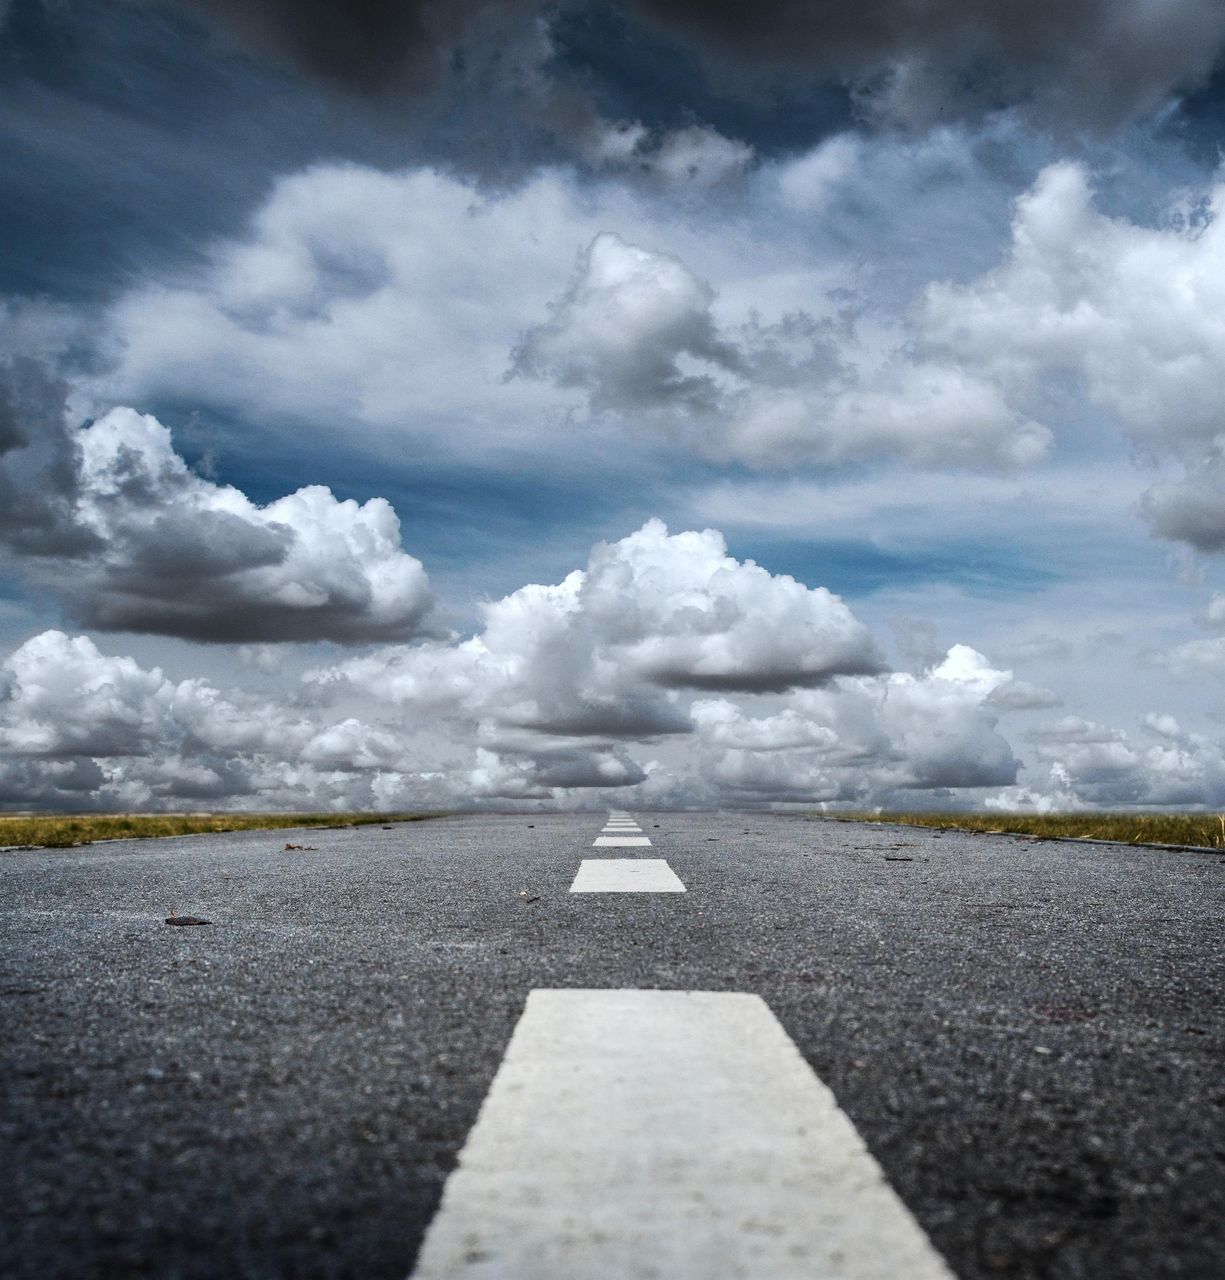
1202	830
60	831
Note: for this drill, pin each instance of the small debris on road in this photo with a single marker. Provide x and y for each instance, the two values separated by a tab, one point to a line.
889	859
529	897
175	918
306	848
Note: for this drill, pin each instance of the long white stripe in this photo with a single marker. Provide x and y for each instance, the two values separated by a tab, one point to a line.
634	1134
606	841
626	875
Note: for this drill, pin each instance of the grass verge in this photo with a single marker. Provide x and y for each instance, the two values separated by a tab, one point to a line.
1203	830
60	831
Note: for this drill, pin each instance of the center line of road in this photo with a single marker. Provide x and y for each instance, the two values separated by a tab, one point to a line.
606	841
626	875
665	1133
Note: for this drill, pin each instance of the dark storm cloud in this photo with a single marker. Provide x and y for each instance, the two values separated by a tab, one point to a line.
38	465
1104	61
363	45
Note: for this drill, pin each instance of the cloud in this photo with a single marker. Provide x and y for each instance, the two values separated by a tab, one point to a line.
1100	766
697	156
364	47
136	541
1093	63
1087	63
83	730
543	703
1019	695
609	652
598	652
809	181
867	739
354	298
559	675
63	698
558	696
623	326
636	331
665	670
1133	312
38	471
1195	658
1191	510
764	356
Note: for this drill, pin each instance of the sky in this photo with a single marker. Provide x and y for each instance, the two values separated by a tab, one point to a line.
433	403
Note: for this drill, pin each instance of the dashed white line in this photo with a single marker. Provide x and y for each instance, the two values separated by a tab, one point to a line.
619	841
626	875
633	1134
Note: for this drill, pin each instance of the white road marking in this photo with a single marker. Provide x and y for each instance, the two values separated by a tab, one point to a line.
626	875
620	841
635	1134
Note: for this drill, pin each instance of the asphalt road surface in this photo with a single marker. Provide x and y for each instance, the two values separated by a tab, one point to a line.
1028	1035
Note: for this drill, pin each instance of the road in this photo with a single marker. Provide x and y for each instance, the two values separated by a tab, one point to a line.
1029	1036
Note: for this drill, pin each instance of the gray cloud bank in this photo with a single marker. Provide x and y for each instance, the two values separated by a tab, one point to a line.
665	672
566	689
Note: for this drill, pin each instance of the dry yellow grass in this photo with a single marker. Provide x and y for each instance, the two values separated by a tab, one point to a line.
1203	830
59	831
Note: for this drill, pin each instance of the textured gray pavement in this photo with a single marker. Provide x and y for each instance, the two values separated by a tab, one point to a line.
1029	1035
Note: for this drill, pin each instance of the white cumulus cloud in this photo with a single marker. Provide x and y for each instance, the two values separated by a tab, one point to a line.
146	544
636	331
